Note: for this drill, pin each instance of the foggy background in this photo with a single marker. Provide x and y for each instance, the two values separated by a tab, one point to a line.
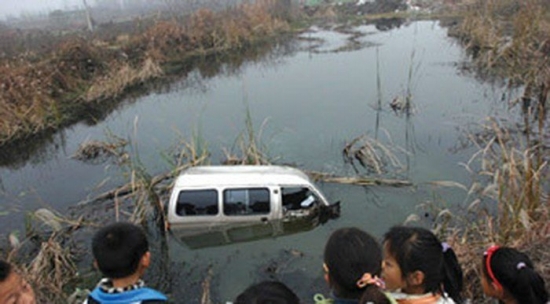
15	8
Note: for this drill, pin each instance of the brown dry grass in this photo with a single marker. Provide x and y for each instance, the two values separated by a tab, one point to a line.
51	269
42	91
510	38
509	203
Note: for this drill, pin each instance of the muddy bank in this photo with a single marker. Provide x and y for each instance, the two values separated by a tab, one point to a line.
43	92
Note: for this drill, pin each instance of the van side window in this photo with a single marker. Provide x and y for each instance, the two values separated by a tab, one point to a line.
249	201
296	198
197	202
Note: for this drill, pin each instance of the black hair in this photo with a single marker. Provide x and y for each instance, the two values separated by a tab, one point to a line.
5	270
268	292
416	248
349	254
374	295
514	271
118	249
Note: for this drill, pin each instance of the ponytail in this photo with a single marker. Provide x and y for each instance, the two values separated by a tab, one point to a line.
514	271
374	295
529	287
416	248
452	274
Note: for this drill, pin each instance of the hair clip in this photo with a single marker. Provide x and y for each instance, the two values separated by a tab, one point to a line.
368	279
445	246
521	265
325	268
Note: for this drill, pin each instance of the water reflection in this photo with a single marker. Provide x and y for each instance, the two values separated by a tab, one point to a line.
192	73
210	237
386	24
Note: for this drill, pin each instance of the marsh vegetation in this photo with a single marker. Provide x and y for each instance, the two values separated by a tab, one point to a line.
505	199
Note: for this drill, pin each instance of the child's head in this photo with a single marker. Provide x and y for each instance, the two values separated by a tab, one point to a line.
373	294
121	250
508	273
416	262
13	288
350	253
268	292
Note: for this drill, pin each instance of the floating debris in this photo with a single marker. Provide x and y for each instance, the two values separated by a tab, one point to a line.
99	152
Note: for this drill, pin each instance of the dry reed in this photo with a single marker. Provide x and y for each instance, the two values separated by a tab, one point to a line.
508	203
47	90
372	155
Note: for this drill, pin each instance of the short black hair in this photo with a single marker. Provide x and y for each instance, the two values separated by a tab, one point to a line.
118	249
349	254
5	270
268	292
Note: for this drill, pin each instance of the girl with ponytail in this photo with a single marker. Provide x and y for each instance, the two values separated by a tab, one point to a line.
352	265
419	269
508	275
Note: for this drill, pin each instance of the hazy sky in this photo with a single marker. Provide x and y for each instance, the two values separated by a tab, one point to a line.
15	7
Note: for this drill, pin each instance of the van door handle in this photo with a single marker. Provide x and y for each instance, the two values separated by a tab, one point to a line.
264	219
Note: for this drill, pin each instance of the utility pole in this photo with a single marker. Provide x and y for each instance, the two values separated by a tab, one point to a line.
89	19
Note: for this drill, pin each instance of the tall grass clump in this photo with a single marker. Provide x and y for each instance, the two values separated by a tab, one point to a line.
509	199
511	39
507	203
47	256
249	148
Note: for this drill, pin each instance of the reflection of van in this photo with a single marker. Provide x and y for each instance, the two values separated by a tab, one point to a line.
195	238
215	195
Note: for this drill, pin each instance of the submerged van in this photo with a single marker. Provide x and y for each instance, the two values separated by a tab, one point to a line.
213	196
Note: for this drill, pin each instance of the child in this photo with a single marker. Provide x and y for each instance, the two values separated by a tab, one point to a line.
268	292
121	252
352	265
508	276
417	268
13	288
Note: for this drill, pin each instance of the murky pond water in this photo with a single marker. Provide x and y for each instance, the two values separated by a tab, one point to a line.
307	103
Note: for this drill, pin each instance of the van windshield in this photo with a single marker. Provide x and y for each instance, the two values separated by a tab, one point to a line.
296	198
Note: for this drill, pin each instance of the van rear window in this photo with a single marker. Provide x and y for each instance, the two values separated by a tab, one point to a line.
197	202
248	201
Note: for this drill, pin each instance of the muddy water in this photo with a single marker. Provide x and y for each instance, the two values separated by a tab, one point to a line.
307	104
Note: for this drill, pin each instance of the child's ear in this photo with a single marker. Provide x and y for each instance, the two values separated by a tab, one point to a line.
95	264
498	290
415	278
146	259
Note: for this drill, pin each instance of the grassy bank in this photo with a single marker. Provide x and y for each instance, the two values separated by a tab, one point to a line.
43	91
509	199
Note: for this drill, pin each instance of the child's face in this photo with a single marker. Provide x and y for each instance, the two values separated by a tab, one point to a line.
391	273
15	290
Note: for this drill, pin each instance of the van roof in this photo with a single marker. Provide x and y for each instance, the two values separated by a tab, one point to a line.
212	176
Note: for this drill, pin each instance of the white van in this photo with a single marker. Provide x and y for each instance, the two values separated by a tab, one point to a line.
211	196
